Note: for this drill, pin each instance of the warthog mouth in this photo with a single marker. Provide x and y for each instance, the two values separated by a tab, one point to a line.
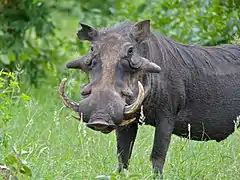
129	110
101	126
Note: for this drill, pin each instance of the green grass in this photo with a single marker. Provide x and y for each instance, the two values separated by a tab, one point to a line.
56	146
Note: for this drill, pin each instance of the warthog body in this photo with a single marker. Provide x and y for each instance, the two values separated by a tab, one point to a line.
188	90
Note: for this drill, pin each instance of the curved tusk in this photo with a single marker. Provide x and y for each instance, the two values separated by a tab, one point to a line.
79	118
75	117
126	122
69	103
132	108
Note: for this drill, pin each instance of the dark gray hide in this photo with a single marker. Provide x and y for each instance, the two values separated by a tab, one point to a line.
198	88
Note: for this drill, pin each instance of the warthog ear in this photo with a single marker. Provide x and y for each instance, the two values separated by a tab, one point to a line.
80	63
87	33
149	67
140	30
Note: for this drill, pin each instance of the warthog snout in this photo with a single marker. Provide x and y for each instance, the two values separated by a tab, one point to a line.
103	110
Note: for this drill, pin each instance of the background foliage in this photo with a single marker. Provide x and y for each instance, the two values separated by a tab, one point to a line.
38	37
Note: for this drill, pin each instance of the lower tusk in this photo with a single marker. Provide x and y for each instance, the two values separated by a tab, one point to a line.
75	117
79	118
130	109
126	122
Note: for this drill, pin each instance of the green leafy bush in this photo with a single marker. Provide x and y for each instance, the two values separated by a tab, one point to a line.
8	88
10	96
189	21
27	38
236	40
37	37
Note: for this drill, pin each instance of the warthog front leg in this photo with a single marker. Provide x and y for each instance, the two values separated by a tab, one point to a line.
162	139
125	140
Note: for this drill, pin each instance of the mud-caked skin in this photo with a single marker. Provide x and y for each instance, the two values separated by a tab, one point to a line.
190	90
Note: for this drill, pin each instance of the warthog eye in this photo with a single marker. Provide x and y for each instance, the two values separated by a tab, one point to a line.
130	51
91	48
92	62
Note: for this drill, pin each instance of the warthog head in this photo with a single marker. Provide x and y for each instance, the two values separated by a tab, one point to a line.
117	66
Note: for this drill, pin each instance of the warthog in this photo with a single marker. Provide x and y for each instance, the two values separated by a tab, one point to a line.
179	87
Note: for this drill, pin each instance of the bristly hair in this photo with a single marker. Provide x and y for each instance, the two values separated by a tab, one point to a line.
171	54
120	28
210	60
